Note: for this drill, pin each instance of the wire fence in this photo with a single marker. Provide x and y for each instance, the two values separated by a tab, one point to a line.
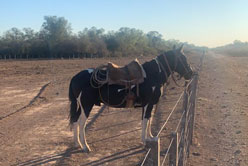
181	138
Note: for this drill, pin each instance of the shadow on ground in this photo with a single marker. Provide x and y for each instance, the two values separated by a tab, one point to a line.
61	157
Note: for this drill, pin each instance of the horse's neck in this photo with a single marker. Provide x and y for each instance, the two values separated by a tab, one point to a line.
166	70
155	73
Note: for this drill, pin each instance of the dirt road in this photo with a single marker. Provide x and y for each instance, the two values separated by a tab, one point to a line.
221	131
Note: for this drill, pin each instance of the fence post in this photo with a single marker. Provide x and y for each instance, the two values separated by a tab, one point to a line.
194	90
183	123
154	156
173	158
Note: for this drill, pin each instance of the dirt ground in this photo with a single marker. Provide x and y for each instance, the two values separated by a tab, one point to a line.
37	133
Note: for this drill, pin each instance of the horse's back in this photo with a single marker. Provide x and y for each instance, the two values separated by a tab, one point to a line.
83	77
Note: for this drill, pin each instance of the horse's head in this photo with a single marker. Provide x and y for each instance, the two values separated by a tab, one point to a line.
181	65
178	63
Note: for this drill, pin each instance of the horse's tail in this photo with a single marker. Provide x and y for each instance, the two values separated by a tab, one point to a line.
74	113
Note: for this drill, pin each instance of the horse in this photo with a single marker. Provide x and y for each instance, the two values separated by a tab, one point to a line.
83	94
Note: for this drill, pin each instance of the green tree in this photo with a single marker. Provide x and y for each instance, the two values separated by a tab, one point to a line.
131	41
55	30
92	42
14	39
29	37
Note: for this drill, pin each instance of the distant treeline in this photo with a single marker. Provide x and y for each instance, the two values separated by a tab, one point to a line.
56	40
237	48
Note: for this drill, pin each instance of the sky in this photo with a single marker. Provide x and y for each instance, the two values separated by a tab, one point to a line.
201	22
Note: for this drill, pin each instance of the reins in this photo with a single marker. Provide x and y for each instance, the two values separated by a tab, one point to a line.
184	67
172	72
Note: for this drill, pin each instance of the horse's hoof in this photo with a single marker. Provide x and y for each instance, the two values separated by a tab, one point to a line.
150	139
76	145
143	141
87	150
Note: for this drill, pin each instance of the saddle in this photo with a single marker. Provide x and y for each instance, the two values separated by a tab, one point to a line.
130	74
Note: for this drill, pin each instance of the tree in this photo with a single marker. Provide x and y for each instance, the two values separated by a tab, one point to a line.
29	37
111	42
14	40
92	41
130	41
55	39
55	30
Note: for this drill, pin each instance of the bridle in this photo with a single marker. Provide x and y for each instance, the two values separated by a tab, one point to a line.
185	68
172	71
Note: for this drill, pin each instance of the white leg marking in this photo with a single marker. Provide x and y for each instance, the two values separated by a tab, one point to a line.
144	126
76	134
144	130
149	129
82	123
82	138
161	91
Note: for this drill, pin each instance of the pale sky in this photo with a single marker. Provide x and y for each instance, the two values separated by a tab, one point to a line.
201	22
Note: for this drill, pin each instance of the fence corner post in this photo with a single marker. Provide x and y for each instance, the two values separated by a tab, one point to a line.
154	144
173	154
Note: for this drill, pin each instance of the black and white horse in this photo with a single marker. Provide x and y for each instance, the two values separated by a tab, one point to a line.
84	96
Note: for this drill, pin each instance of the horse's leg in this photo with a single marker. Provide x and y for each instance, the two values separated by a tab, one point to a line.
146	123
155	99
86	108
76	134
149	118
149	128
76	125
82	137
75	110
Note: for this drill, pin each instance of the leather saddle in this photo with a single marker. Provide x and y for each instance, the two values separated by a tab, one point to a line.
130	74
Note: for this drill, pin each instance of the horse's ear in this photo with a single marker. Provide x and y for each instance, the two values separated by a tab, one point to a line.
181	48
